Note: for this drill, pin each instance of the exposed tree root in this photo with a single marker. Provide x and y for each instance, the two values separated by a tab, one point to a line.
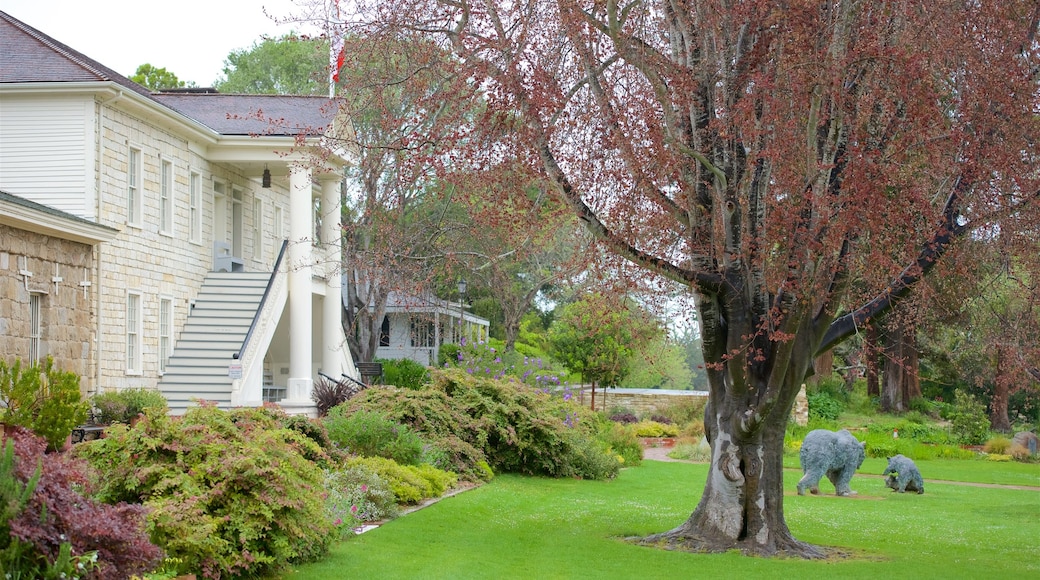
686	541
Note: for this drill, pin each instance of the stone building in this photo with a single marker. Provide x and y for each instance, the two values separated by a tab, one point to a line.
46	261
210	230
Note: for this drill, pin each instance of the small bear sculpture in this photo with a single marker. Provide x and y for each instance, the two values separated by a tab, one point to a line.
903	475
836	454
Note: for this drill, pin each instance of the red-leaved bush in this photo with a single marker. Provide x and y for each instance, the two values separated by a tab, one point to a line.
58	513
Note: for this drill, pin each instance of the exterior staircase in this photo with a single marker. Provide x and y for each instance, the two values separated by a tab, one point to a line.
213	333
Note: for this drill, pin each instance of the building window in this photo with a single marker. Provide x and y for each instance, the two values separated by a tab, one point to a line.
422	332
195	208
258	229
384	332
279	224
165	332
166	197
133	188
35	328
133	333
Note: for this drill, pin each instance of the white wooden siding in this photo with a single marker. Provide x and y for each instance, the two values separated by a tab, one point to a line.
52	137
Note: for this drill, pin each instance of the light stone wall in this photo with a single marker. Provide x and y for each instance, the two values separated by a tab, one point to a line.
141	259
66	315
640	401
643	401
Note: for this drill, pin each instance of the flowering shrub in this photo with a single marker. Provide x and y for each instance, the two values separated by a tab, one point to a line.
48	529
484	359
356	495
231	493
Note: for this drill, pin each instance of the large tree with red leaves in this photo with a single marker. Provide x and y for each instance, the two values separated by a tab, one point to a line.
797	165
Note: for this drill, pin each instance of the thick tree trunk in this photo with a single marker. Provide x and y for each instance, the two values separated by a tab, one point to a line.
900	382
742	504
823	367
911	371
998	405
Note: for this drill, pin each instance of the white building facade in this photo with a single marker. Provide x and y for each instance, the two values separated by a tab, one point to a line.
191	185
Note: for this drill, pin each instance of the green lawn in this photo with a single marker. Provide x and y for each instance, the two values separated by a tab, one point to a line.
522	527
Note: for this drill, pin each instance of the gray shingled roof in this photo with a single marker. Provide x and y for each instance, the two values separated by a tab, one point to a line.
28	56
254	114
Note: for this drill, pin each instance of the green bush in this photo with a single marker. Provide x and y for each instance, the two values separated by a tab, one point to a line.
691	451
1000	445
447	430
968	420
823	405
592	459
621	440
124	405
522	429
411	484
684	410
405	373
924	407
448	354
230	493
371	434
44	400
655	429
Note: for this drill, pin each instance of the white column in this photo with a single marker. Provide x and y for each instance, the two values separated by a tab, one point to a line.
332	334
301	232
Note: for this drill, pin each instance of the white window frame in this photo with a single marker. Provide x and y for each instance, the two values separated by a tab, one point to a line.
423	332
195	207
165	196
279	224
165	331
134	339
134	190
258	228
35	326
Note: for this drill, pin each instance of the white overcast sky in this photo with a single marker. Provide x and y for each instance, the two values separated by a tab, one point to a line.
190	38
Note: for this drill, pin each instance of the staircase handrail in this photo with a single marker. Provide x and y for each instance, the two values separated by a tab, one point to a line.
263	300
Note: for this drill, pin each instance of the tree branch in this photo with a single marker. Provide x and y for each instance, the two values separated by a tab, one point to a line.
929	256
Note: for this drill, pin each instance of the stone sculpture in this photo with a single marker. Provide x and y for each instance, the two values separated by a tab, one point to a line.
903	475
836	454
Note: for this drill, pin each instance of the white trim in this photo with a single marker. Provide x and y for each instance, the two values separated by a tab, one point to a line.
195	207
134	185
35	326
166	205
134	340
166	318
258	228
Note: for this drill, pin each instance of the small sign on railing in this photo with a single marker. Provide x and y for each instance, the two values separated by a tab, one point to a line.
234	370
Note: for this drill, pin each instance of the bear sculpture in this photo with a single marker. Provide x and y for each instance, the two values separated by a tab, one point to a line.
903	475
836	454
